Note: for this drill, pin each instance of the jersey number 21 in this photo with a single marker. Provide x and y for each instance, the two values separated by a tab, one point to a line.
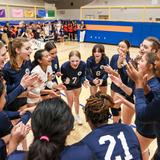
112	144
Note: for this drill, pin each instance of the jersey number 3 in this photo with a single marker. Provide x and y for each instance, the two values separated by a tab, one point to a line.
112	144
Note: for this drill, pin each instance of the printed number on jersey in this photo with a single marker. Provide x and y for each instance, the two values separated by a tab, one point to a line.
74	79
98	73
112	144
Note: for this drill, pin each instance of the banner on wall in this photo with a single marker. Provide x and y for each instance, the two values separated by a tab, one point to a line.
17	13
41	13
28	13
2	13
51	13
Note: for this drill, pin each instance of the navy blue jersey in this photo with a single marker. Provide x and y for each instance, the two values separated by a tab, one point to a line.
73	152
10	97
3	151
149	112
5	124
96	70
78	151
55	67
5	121
17	155
13	77
114	141
76	76
122	72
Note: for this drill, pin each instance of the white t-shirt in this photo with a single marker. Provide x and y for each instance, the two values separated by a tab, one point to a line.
45	82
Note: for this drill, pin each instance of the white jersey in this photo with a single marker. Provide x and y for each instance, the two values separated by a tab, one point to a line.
46	82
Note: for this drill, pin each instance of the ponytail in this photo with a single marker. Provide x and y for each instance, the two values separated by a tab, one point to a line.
43	150
12	54
16	43
51	122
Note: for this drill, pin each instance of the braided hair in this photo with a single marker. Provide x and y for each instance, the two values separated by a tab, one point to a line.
97	108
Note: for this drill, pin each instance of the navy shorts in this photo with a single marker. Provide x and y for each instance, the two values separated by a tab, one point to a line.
115	111
145	129
104	83
73	87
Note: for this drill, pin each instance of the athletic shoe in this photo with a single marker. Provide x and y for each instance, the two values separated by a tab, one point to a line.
78	120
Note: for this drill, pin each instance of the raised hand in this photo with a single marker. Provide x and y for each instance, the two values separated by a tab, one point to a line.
116	80
136	76
59	74
29	80
18	133
109	70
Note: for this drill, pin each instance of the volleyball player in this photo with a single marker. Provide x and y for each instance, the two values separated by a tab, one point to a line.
106	141
73	76
18	65
147	112
5	119
96	75
52	49
118	62
50	117
42	67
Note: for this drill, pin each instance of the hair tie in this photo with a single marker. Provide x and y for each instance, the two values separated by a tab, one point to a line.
45	138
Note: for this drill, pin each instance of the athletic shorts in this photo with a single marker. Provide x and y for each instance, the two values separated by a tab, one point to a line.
145	129
104	83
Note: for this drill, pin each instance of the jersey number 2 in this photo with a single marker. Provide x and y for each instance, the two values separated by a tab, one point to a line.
112	144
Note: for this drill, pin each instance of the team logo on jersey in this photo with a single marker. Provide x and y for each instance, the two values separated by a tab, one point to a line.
55	66
101	67
79	73
27	71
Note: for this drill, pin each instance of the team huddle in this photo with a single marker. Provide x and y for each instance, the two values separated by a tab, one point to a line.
134	97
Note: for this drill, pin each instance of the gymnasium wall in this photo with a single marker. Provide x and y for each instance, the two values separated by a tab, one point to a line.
23	2
112	32
125	13
68	14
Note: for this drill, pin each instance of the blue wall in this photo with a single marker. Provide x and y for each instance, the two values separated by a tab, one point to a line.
140	31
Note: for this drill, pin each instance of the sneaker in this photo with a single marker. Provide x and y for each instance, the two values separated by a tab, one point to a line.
78	120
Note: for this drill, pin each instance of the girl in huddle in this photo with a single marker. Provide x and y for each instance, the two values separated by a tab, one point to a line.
106	141
145	131
118	62
52	49
73	76
42	67
5	119
51	122
96	75
19	64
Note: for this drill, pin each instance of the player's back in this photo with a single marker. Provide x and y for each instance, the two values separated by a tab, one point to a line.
114	142
77	151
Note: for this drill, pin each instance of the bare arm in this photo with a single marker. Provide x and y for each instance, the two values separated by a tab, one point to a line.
118	82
